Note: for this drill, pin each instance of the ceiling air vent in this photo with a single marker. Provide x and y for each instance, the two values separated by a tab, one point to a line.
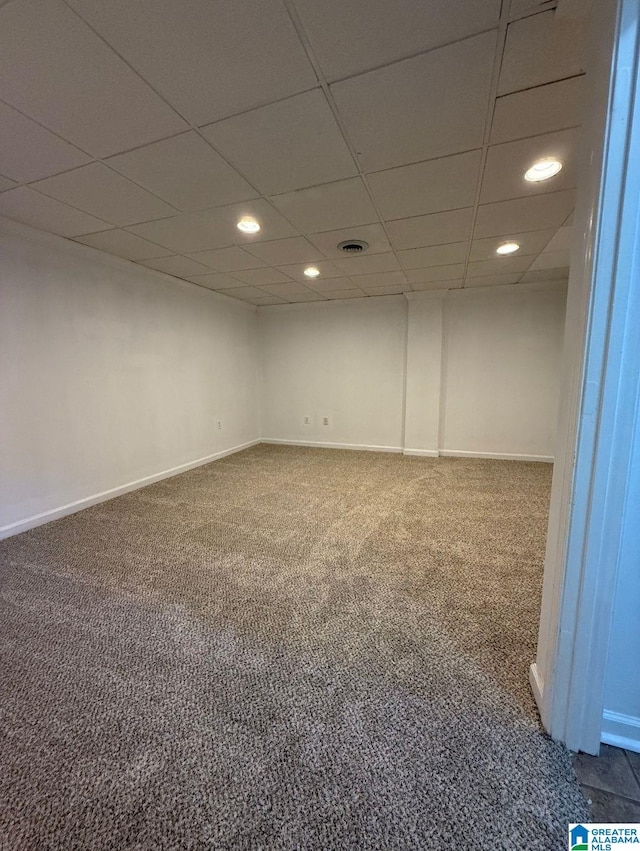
353	246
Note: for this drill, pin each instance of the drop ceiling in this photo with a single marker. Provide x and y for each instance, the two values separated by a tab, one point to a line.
148	129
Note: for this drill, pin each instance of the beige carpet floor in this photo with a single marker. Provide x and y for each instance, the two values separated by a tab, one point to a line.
289	648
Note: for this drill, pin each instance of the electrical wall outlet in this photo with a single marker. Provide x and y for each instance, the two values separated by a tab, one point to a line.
219	425
325	421
307	420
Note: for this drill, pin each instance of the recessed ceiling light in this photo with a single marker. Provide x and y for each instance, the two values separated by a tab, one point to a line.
508	248
311	272
248	225
543	169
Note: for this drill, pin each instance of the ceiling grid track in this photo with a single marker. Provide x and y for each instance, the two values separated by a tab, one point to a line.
371	187
302	35
501	39
192	127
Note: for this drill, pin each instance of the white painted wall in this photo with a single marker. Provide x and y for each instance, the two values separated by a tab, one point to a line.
344	361
502	351
424	365
110	373
478	367
114	375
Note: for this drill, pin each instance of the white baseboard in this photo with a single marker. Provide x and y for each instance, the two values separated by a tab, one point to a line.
78	505
537	687
87	502
323	445
621	731
498	456
424	453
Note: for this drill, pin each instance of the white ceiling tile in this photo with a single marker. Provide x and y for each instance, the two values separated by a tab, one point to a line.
518	8
389	113
329	284
379	279
228	259
261	277
280	252
328	207
348	38
543	109
216	282
434	255
177	196
302	297
434	229
210	60
364	264
268	299
551	260
388	290
573	9
538	275
328	241
422	286
38	210
429	187
339	294
523	214
506	164
530	243
191	232
492	280
60	73
435	273
325	267
561	240
182	267
29	151
286	289
188	232
123	244
243	293
303	126
186	172
541	49
498	266
96	189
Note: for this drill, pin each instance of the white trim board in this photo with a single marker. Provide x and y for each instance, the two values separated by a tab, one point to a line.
424	453
537	684
322	445
86	502
621	731
599	395
498	456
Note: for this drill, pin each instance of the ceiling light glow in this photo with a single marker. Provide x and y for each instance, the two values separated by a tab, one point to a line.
311	272
508	248
248	225
543	169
